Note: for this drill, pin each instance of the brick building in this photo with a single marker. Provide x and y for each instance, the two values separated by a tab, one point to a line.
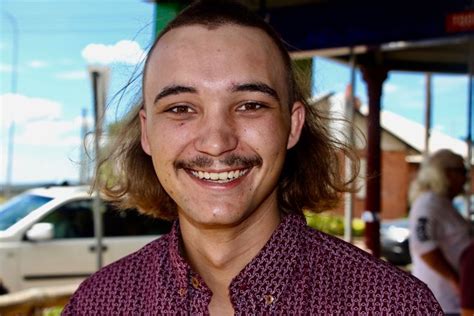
402	144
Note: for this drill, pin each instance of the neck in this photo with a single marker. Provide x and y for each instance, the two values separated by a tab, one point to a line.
218	254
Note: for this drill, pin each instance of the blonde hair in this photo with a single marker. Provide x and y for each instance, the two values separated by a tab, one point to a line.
432	174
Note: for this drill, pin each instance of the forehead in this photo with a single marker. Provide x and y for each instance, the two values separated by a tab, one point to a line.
201	56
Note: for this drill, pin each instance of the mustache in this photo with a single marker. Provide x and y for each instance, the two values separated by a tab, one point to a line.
231	160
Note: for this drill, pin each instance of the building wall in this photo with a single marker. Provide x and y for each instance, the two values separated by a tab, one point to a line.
395	175
394	184
394	203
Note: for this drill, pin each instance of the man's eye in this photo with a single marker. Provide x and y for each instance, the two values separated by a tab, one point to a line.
180	109
250	106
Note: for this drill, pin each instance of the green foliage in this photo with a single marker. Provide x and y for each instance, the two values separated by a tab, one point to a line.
333	224
52	311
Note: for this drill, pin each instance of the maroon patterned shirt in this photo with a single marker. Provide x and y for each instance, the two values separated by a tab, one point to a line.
299	271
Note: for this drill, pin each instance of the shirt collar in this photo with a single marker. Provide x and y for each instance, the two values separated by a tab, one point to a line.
271	270
180	267
279	257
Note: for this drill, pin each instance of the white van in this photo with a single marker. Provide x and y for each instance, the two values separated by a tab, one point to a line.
47	237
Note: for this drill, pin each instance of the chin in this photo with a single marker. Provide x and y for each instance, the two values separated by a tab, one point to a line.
218	217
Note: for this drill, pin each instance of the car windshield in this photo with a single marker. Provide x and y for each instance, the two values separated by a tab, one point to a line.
18	207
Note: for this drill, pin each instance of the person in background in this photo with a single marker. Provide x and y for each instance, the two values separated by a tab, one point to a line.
225	144
440	238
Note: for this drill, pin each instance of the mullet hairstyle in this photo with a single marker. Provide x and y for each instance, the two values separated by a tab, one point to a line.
311	177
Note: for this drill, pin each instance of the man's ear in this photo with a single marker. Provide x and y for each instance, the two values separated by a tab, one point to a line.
144	136
298	114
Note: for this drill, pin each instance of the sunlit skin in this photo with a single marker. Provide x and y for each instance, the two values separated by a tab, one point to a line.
216	101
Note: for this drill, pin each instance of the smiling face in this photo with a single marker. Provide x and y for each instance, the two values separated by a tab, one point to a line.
217	123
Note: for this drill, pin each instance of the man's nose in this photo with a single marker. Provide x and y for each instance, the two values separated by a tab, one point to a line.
216	135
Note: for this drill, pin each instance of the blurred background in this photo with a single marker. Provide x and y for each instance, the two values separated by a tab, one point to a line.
59	59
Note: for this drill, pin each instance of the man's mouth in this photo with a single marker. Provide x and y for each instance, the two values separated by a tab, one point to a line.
219	177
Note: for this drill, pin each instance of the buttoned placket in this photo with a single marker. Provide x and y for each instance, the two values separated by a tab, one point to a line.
246	296
260	287
199	294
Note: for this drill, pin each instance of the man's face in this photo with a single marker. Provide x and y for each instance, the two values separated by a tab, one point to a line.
216	121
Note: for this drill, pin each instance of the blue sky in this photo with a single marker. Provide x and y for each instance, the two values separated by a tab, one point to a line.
58	39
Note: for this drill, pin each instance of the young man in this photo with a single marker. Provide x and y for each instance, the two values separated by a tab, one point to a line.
225	143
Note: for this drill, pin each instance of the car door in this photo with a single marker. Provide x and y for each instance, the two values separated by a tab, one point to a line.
127	231
67	257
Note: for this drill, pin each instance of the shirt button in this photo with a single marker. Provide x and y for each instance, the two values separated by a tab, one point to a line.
195	282
268	299
182	291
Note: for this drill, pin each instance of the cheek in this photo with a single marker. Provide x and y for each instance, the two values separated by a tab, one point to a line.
269	135
168	138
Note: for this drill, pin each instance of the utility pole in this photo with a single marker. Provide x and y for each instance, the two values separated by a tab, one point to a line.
14	84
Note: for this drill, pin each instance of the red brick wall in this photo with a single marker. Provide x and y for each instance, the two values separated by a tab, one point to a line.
395	181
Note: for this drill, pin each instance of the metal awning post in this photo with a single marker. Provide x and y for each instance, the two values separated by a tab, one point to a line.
470	211
427	114
374	76
349	111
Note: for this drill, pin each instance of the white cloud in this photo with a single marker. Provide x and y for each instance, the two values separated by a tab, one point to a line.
22	108
79	120
39	121
390	88
49	133
127	52
54	165
37	64
439	128
72	75
47	146
6	68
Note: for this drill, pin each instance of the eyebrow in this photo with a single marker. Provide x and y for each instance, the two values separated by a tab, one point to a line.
256	87
173	90
250	86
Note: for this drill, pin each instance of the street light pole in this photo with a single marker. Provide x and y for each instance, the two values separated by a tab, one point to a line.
14	83
99	77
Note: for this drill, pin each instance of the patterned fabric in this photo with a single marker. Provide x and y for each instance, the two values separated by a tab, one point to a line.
299	271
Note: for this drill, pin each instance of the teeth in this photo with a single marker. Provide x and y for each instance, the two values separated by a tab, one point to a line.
220	177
